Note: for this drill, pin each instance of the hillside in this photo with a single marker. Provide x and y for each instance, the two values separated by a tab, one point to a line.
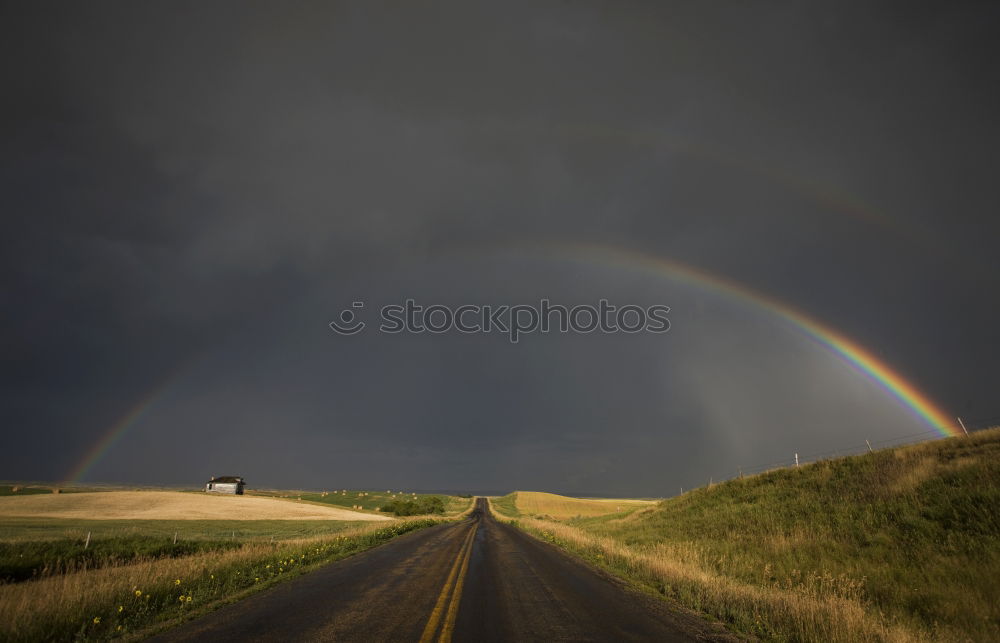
898	544
538	503
169	505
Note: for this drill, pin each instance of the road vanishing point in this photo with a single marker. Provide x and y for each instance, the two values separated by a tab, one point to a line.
475	580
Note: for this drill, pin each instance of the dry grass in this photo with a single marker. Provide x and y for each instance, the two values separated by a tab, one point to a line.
896	545
23	605
170	505
549	504
805	607
93	604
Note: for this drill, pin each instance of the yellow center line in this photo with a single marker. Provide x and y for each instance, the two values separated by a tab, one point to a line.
456	596
432	622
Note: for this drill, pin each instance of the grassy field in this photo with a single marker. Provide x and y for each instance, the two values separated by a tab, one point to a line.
27	559
169	505
19	488
506	505
901	544
371	501
67	577
22	490
126	596
35	529
537	503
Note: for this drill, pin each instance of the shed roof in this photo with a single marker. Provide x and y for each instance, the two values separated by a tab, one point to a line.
229	479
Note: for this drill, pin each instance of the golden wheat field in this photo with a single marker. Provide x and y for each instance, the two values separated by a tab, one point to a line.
169	505
550	504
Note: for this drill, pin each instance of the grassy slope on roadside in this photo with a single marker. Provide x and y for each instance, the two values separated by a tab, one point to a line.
454	505
31	547
506	505
121	600
900	544
25	560
366	500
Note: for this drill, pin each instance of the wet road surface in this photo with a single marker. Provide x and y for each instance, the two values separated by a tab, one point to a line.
477	580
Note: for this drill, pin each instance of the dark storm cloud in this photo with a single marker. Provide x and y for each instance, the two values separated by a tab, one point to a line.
196	190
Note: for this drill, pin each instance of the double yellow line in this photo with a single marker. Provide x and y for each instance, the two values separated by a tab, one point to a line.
453	588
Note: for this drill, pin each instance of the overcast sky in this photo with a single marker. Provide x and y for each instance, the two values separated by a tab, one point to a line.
192	192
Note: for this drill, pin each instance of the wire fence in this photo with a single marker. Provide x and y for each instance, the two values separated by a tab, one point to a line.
797	459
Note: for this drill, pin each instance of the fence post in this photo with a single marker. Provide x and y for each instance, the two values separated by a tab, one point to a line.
796	459
741	472
175	537
962	424
869	446
87	544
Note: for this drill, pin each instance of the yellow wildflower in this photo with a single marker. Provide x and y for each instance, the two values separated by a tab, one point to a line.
138	593
120	608
97	619
177	582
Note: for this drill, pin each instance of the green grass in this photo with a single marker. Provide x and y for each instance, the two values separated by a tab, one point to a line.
912	535
19	529
31	547
133	577
36	487
421	506
8	490
21	561
507	505
130	599
370	500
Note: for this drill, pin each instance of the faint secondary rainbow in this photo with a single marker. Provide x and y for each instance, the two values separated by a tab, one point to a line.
117	430
917	402
831	197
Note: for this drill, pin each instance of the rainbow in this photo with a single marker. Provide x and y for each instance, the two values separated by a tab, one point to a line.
853	353
859	357
829	196
117	430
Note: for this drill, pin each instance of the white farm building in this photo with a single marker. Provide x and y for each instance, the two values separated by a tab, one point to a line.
225	484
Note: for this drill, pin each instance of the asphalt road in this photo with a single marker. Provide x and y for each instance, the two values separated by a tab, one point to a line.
477	580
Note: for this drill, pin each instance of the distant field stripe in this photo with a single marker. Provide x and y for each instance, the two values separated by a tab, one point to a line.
439	606
456	596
